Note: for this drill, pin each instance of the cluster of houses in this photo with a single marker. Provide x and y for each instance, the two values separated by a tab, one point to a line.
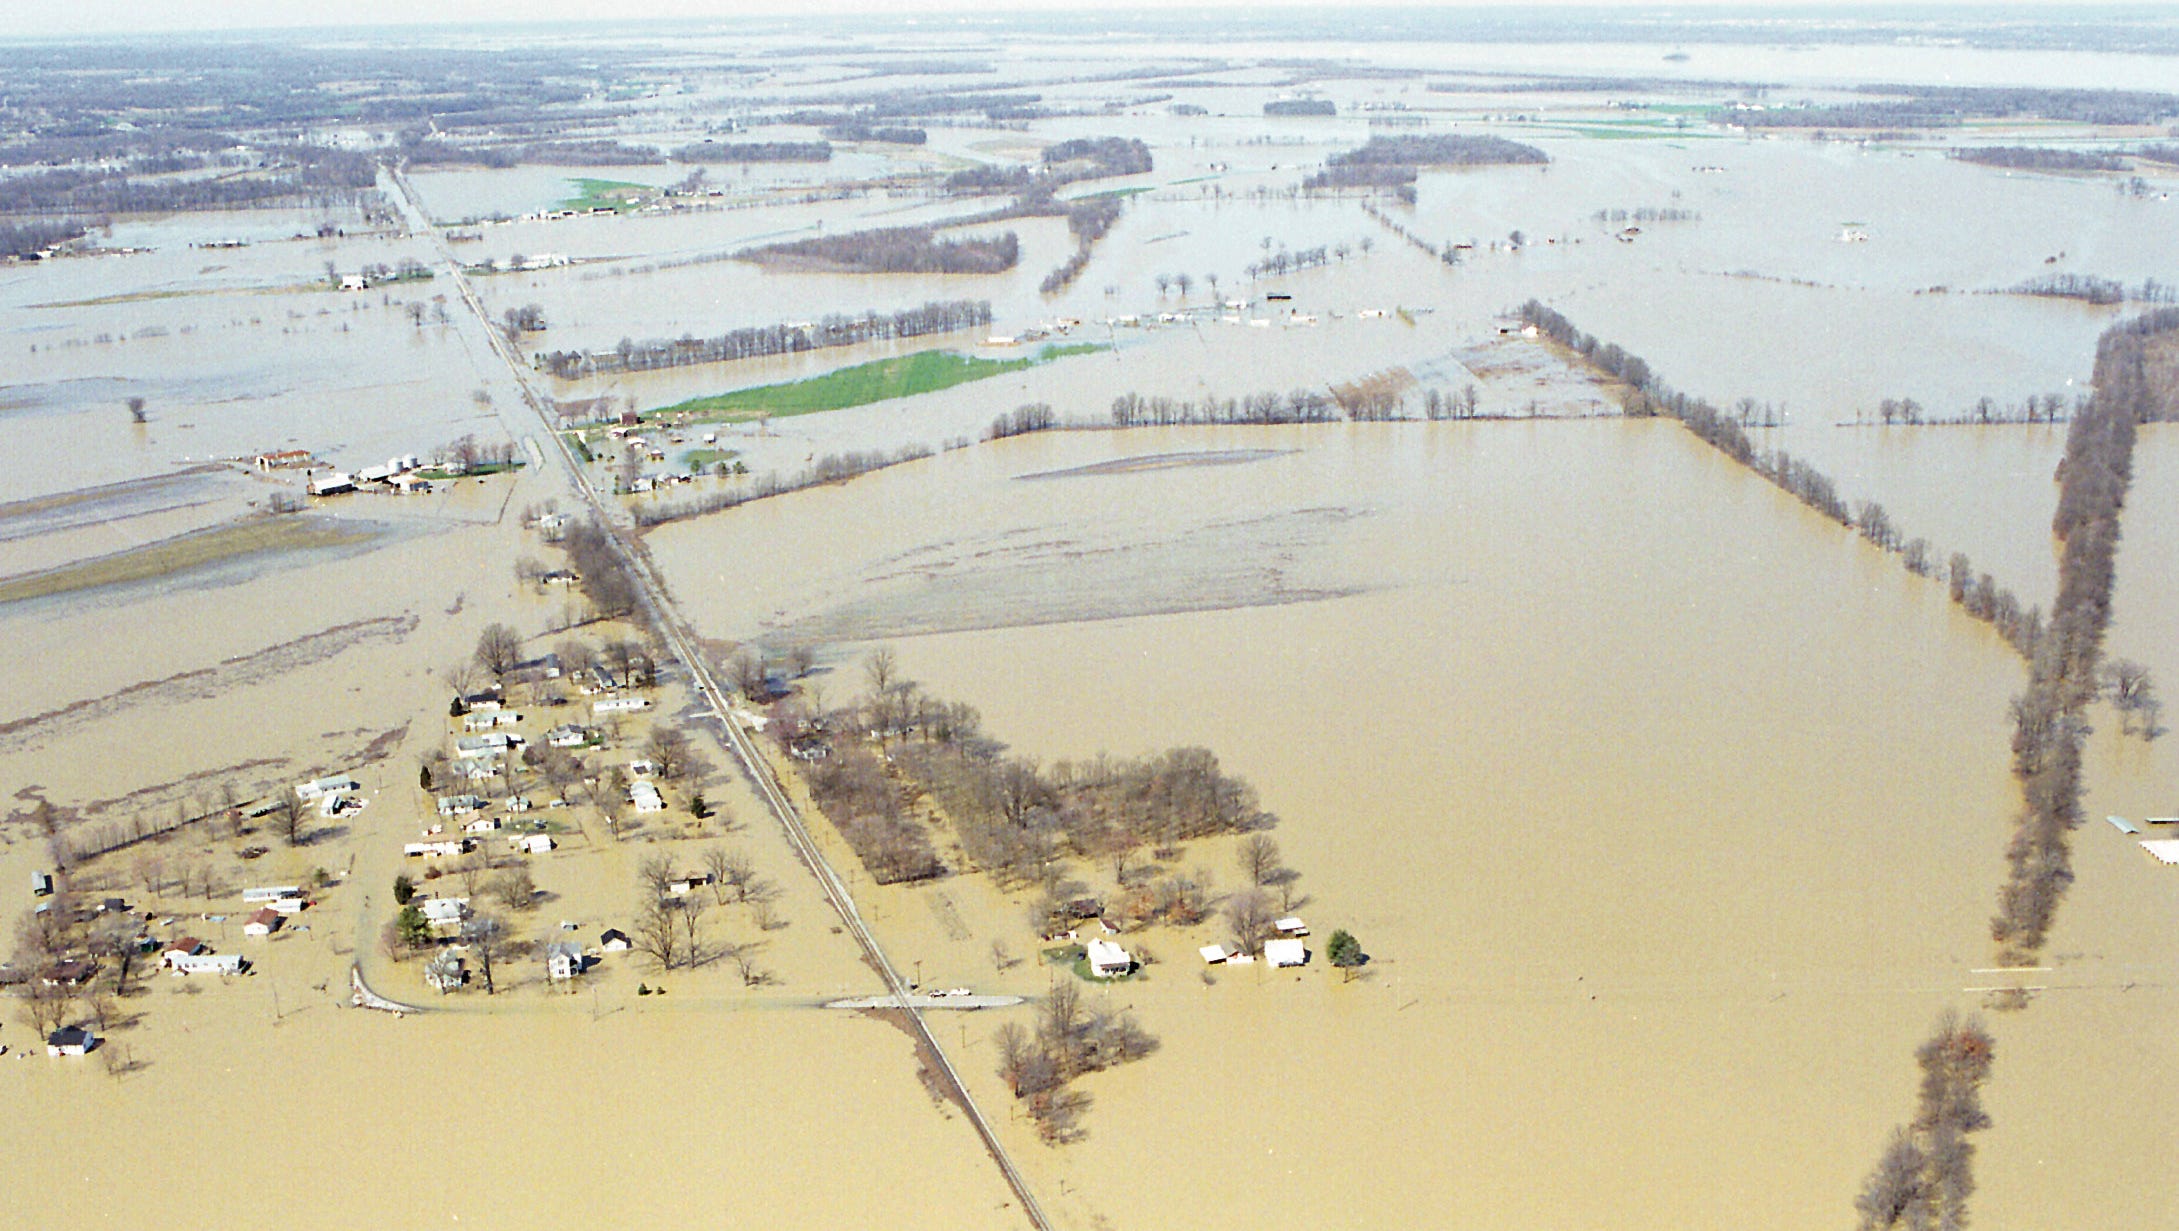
398	474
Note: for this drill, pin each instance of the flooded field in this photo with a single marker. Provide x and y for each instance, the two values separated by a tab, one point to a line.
1572	704
1669	813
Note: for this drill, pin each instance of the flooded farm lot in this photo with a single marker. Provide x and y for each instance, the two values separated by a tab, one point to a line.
1669	814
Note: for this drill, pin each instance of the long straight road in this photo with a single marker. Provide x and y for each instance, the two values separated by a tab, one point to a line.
681	644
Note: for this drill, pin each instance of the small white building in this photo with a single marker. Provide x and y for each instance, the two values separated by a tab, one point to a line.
533	843
444	973
1108	960
485	745
486	720
567	736
354	282
288	906
270	893
1292	926
70	1041
645	796
264	923
613	940
1213	955
436	850
619	705
1285	952
483	824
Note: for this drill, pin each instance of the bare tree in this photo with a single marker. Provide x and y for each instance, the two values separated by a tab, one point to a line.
657	934
717	862
882	669
691	911
486	938
515	888
655	873
668	751
499	649
137	413
1259	858
1250	917
288	819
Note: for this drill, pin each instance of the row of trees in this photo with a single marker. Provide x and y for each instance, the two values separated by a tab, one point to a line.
857	131
1087	221
1923	1178
2048	724
2039	158
1440	150
2091	289
938	316
287	174
36	234
754	151
830	468
1977	594
893	250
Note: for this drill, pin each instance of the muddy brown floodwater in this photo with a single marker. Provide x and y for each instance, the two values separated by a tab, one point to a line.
1670	814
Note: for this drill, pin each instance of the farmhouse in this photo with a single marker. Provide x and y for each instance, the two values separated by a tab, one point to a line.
645	796
1108	960
264	923
444	971
563	960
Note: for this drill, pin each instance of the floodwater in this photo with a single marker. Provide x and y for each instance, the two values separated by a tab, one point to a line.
1670	814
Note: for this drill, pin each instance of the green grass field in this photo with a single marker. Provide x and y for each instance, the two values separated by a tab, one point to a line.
603	194
880	380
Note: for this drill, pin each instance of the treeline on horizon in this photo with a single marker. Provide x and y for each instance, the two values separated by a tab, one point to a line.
1395	162
2089	288
279	175
937	316
1937	106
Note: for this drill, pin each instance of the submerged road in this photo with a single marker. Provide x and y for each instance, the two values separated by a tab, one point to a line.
681	644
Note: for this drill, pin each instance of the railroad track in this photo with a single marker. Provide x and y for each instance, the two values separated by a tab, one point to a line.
681	644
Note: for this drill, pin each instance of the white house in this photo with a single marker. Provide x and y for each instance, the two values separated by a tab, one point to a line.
443	912
354	282
489	719
268	893
645	796
456	805
206	964
70	1041
532	844
308	791
567	736
331	483
264	923
485	745
436	850
1213	955
1108	960
619	705
563	960
613	940
289	906
483	824
1285	952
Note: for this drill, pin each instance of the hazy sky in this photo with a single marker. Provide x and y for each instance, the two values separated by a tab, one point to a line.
62	17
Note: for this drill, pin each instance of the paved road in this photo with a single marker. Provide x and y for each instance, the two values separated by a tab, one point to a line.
681	644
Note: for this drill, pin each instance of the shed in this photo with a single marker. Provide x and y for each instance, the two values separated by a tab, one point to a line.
613	940
41	884
264	923
2123	825
70	1041
1213	954
1285	952
534	844
2163	850
1292	926
1108	960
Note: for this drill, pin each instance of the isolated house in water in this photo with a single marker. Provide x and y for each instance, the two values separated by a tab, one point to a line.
1108	960
563	960
70	1041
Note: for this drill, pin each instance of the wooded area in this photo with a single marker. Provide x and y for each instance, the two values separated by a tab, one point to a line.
938	316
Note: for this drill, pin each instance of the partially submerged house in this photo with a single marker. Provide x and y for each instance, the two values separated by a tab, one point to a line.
264	923
645	796
70	1041
458	805
1108	960
438	850
613	940
318	788
443	912
533	843
1285	952
205	964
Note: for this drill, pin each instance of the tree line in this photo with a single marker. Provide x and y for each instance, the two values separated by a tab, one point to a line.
937	316
2049	728
2091	289
31	235
1065	162
857	131
1439	150
1978	595
1925	1174
892	250
754	151
2039	158
290	173
830	468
